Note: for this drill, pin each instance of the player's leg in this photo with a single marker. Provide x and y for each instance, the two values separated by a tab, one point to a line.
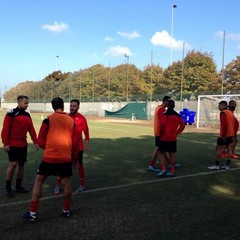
9	175
31	215
65	172
161	150
19	178
21	156
57	188
81	173
155	154
235	141
67	196
229	146
219	148
171	148
172	165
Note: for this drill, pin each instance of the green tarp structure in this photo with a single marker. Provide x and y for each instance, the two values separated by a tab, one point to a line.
131	111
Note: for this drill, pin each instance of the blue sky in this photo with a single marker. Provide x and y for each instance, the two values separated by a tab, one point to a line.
41	36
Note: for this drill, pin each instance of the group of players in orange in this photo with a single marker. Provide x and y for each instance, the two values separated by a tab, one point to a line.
168	125
60	137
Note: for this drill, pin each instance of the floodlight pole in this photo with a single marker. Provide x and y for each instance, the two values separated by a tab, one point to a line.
127	56
57	63
182	79
223	61
173	6
109	84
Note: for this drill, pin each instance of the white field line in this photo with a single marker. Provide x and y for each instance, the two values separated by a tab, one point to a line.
125	186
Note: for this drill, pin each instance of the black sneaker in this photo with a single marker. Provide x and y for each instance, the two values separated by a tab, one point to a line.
29	217
21	190
9	193
66	214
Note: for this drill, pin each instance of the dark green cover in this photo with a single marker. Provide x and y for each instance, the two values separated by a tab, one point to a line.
131	110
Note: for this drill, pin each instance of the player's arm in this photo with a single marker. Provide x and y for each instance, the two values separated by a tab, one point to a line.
223	123
86	134
6	131
33	134
75	145
236	126
181	126
42	135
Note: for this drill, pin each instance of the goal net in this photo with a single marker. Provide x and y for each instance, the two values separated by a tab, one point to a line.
207	110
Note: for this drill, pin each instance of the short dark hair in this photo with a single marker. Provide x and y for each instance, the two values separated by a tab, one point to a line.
166	98
171	104
223	103
75	100
57	103
20	97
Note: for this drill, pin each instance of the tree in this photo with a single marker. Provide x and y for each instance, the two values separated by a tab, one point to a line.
199	73
232	76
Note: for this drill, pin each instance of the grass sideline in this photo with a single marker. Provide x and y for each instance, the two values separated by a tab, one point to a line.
123	200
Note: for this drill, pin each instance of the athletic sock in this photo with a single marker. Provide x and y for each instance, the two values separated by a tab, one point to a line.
228	162
66	205
81	174
162	167
151	163
18	182
34	206
59	181
172	168
8	185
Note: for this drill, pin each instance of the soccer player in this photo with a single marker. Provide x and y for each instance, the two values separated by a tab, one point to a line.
58	138
16	124
171	126
158	114
228	124
232	106
82	127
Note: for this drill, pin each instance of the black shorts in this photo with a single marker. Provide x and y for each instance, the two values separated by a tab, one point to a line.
18	154
157	140
168	146
55	169
221	142
80	158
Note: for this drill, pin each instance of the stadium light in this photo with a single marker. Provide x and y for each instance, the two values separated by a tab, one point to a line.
173	6
127	56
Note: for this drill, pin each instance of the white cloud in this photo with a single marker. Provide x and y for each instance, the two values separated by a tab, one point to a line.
164	39
231	36
108	39
116	51
55	27
131	35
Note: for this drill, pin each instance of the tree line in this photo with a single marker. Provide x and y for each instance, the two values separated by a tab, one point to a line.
195	75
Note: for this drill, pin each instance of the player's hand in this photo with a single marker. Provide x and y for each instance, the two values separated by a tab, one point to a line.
36	146
6	148
75	164
86	148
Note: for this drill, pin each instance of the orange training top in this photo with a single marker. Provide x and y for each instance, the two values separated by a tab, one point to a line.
56	137
227	120
158	114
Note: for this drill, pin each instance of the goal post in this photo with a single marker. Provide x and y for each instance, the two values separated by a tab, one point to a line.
207	109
